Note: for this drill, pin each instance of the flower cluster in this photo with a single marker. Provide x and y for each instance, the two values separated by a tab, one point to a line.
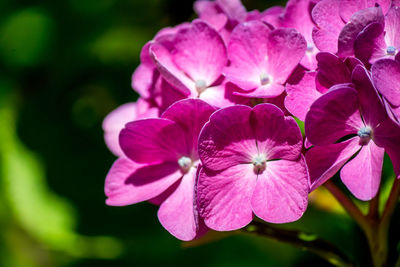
212	139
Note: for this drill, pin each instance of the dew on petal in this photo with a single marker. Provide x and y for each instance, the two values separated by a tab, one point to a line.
310	48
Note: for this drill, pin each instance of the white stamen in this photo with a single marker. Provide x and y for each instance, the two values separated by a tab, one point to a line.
260	163
310	48
391	50
264	79
200	85
185	163
365	134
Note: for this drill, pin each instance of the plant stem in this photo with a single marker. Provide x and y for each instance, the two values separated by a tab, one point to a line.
348	205
302	240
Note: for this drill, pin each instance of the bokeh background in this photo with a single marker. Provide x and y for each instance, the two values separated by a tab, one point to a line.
63	66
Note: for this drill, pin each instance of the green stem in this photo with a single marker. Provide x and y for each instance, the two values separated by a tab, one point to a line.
302	240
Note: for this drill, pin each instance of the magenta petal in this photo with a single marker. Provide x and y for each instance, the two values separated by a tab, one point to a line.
326	15
370	44
228	139
128	182
278	137
333	116
224	198
386	76
392	27
153	140
234	9
190	115
300	96
387	135
163	61
177	213
349	7
362	175
247	50
266	91
281	191
356	24
331	70
371	105
324	161
199	51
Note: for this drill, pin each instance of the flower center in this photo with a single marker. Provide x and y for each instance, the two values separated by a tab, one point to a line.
310	48
264	79
365	134
259	163
185	163
391	50
200	85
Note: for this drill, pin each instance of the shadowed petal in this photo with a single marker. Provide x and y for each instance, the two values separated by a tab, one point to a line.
362	175
128	182
324	161
153	140
281	191
386	76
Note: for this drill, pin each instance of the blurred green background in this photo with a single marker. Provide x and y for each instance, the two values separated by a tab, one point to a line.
63	66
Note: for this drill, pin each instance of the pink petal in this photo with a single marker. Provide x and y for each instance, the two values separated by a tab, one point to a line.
272	16
386	77
177	213
392	27
362	175
163	61
371	105
356	24
224	198
370	44
190	115
227	139
324	161
302	95
153	140
281	191
208	11
128	182
247	50
234	9
326	15
333	116
332	70
199	52
278	137
349	7
387	135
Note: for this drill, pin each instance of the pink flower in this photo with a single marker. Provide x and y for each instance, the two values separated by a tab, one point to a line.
262	59
357	114
252	163
161	162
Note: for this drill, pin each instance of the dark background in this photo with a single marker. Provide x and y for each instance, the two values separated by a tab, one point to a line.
64	65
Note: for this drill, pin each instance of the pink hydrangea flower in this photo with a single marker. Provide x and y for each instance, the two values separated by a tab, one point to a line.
252	163
359	114
161	162
262	59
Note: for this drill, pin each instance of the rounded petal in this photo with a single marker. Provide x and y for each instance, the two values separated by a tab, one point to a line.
227	139
324	161
199	51
153	140
224	198
280	195
362	175
333	116
332	70
190	115
300	96
177	213
278	137
128	182
386	77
